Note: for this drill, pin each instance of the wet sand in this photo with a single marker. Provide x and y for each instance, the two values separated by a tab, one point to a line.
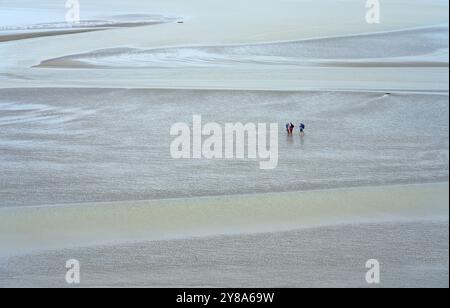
411	255
17	35
86	173
421	47
412	60
26	229
23	36
97	145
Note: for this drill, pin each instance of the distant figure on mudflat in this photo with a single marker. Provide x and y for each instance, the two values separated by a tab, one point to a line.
302	129
291	128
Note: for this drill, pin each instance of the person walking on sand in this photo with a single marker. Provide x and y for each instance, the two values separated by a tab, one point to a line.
302	129
291	128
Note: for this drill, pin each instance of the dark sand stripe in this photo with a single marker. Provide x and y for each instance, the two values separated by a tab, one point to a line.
30	35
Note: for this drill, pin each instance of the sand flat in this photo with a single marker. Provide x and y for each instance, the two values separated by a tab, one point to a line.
406	60
291	21
114	144
412	254
368	79
27	229
420	45
23	36
85	168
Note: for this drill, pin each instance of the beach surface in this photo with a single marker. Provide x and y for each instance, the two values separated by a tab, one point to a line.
308	239
85	165
48	227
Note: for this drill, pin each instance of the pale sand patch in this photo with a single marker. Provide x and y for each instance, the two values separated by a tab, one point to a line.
381	64
67	63
378	79
27	229
413	254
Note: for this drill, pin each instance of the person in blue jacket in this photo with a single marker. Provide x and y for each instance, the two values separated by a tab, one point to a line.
302	129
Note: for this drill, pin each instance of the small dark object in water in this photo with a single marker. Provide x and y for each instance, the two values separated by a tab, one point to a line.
180	22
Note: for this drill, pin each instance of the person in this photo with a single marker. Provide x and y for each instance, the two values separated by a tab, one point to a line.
291	128
302	129
287	128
